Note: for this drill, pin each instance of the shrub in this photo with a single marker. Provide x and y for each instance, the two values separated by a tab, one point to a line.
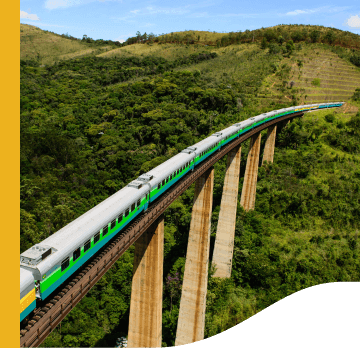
356	95
263	43
274	48
316	82
315	36
355	59
290	46
330	118
330	37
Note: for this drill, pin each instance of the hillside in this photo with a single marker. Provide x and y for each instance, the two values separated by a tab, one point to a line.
312	74
92	124
47	47
308	63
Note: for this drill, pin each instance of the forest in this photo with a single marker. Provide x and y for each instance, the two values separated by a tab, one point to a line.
91	125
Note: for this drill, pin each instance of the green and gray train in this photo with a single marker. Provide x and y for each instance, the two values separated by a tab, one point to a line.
47	265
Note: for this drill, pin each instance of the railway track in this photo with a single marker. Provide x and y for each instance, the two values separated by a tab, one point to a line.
44	319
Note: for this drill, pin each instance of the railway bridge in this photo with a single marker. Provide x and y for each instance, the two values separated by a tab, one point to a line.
147	232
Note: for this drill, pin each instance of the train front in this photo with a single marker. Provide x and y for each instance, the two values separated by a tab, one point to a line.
27	293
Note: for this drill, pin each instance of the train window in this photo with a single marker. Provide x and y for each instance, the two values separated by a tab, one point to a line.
138	203
105	230
65	264
133	207
76	254
113	224
163	183
120	217
159	186
96	237
127	211
87	246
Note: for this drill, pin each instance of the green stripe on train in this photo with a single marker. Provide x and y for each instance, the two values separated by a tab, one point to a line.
54	276
156	189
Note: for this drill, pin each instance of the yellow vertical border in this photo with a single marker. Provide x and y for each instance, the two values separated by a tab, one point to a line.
10	170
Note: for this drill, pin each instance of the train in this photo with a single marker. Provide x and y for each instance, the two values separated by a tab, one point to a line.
47	265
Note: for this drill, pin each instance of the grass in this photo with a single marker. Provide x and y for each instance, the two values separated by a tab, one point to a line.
48	48
168	51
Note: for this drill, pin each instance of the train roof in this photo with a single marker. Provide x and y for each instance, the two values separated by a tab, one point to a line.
205	144
168	167
26	281
76	233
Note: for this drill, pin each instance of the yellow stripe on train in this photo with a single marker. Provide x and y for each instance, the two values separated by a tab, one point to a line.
308	108
27	300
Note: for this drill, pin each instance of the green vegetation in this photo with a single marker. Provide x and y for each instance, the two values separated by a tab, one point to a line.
91	125
356	95
316	82
293	78
47	48
278	34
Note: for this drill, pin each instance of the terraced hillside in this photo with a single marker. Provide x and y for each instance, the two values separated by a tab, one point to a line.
337	79
312	75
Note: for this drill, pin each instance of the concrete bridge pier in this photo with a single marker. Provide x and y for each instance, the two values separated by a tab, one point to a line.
145	321
191	321
248	193
224	243
270	145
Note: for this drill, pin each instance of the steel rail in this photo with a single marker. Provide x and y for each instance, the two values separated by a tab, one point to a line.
44	320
